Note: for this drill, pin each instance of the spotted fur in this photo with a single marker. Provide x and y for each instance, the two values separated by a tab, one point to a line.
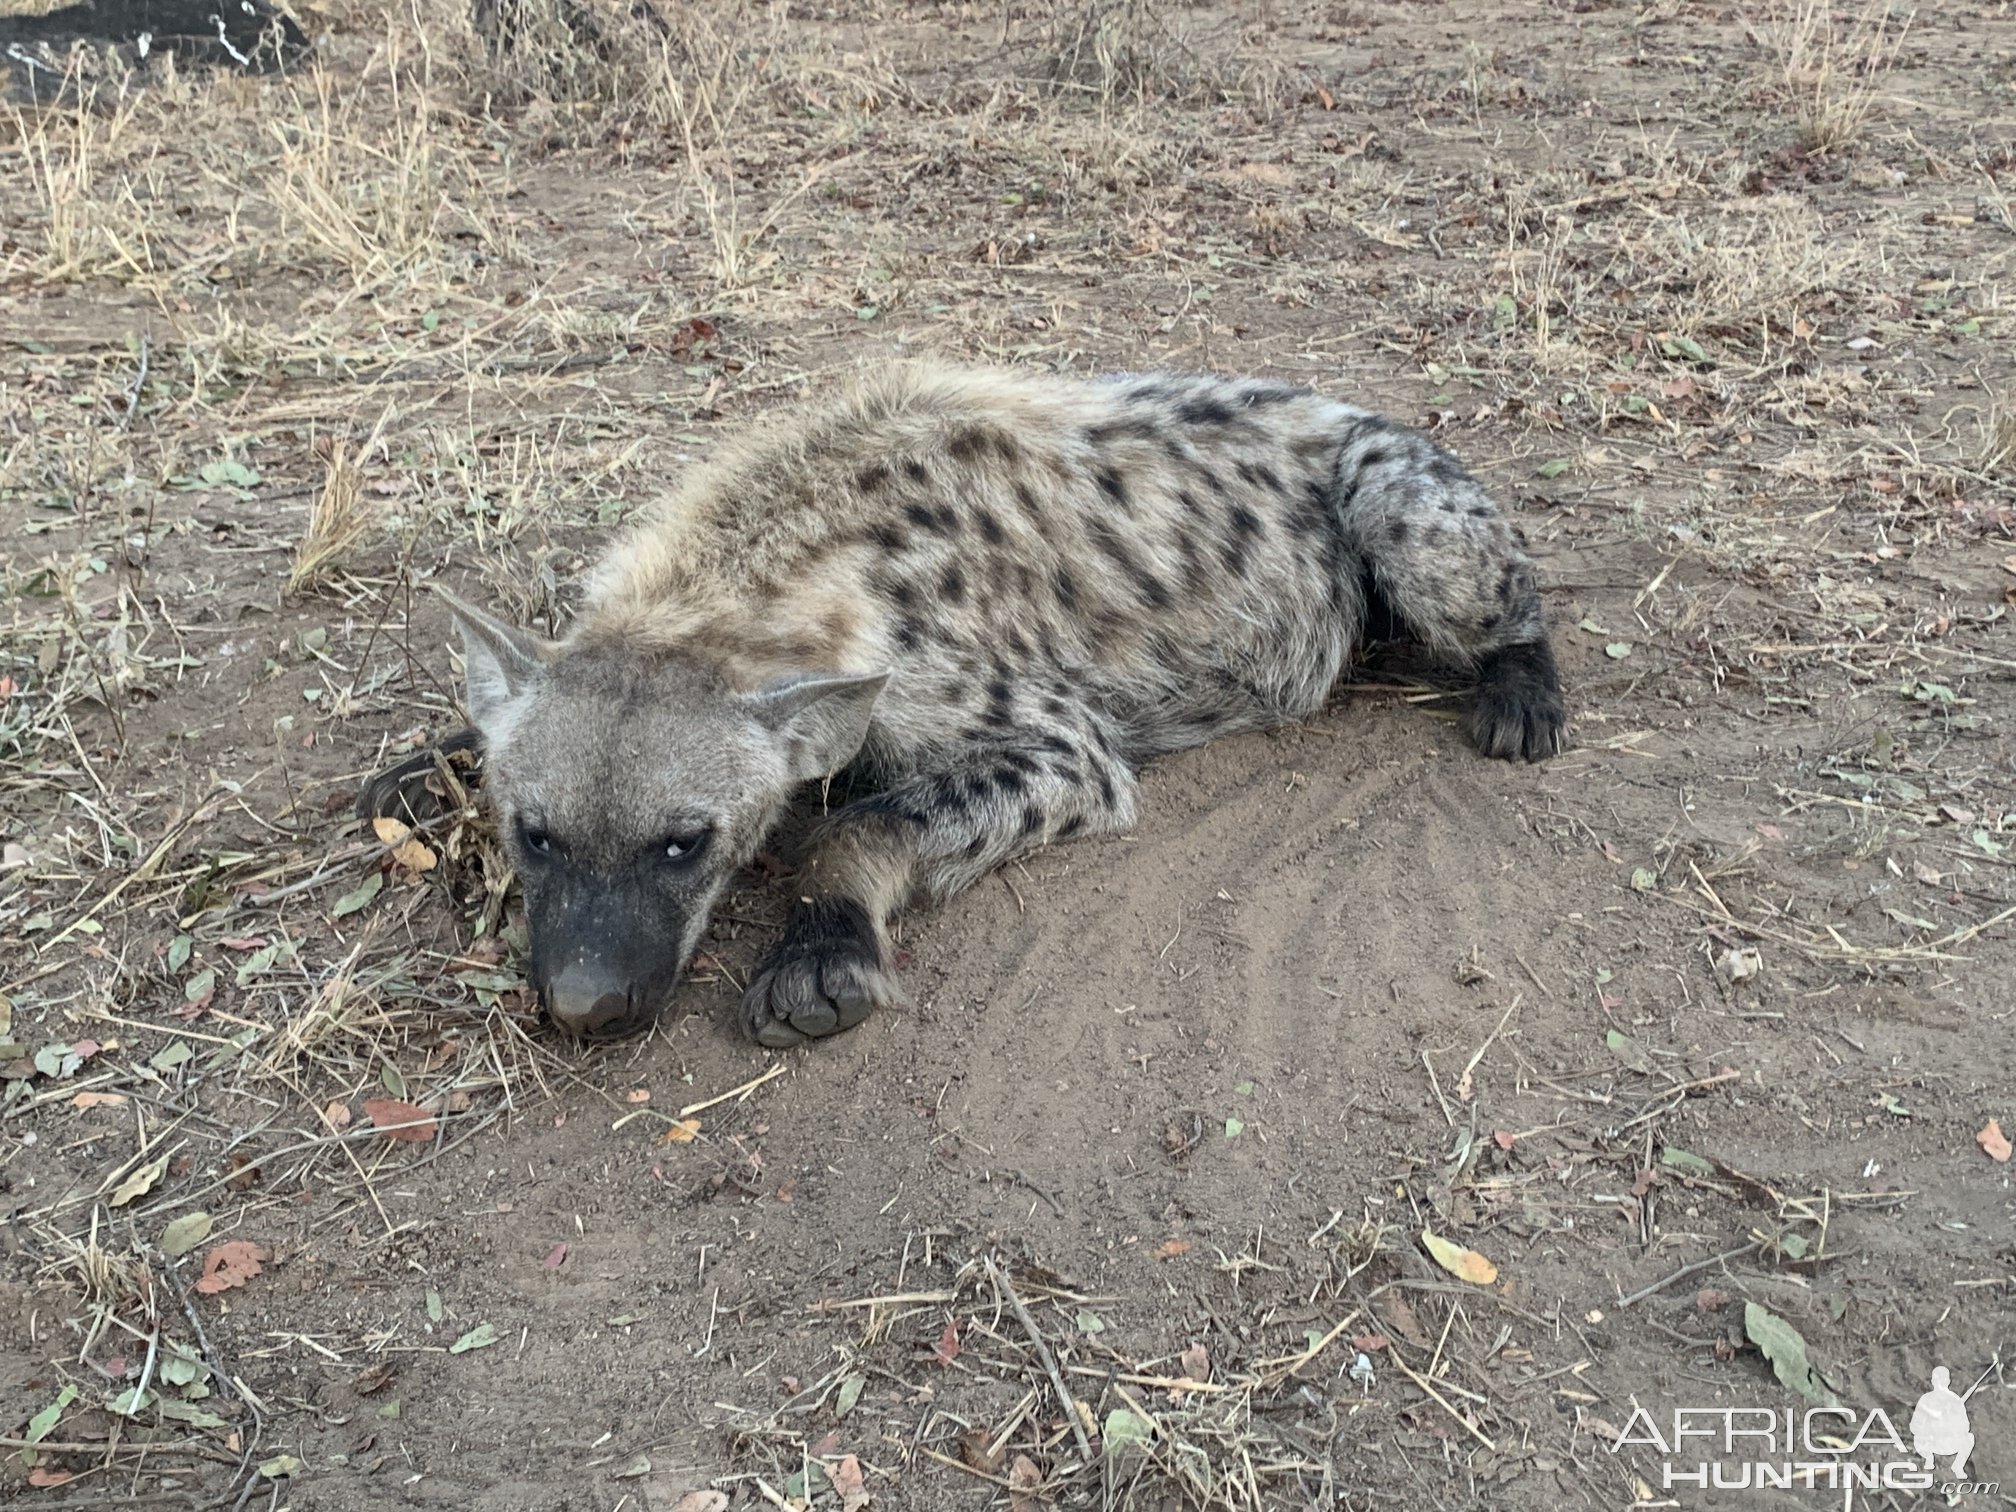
999	594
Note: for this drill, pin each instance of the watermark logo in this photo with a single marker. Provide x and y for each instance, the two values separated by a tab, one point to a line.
1829	1448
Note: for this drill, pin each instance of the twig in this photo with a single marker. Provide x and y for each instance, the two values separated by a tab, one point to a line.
1443	1402
1007	1289
1685	1271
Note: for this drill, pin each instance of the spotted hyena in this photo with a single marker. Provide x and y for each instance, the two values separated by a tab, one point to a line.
998	595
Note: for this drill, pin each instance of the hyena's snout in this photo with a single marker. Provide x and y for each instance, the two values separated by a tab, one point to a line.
602	973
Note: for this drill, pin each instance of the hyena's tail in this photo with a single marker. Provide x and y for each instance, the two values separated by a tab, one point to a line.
1454	574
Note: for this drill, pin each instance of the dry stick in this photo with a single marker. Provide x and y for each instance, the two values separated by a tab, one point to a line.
1685	1271
1007	1289
1443	1402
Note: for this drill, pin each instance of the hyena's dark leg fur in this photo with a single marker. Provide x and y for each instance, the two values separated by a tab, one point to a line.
927	835
1455	573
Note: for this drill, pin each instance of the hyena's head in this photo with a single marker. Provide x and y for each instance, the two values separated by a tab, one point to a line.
630	784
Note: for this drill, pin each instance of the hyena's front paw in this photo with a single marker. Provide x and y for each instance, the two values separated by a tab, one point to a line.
826	974
1519	711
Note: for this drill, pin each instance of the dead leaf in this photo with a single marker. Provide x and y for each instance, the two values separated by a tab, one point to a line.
85	1100
637	1095
1504	1139
373	1378
702	1501
1739	964
682	1132
139	1183
845	1473
337	1116
400	1120
1196	1363
1463	1264
1993	1141
408	852
1710	1299
1169	1249
1400	1313
231	1264
44	1477
947	1349
556	1257
1369	1343
1023	1478
974	1450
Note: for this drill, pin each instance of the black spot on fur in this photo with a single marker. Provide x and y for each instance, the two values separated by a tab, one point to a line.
1152	390
916	471
1105	779
1007	780
1032	819
1189	502
1204	409
1066	587
1070	826
1259	395
901	594
952	586
1113	486
1480	511
990	528
1025	496
890	538
909	634
1122	430
967	444
870	479
1021	761
1261	475
1396	533
1245	522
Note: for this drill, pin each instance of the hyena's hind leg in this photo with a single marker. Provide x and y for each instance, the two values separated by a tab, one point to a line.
1455	574
926	836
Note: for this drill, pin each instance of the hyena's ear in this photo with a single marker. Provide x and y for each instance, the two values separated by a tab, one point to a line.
503	664
821	718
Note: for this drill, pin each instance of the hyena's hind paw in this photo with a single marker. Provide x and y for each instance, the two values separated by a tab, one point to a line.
826	974
417	789
1518	711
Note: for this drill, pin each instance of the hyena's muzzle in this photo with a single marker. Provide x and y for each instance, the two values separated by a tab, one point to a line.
604	960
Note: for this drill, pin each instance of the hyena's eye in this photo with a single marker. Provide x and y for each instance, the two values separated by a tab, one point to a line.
686	844
534	839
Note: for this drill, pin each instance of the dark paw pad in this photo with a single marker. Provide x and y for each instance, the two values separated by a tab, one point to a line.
1519	712
418	789
825	975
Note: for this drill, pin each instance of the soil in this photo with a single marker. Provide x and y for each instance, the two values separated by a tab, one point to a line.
1701	1024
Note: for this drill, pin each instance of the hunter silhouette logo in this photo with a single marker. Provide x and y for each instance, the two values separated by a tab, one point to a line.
1939	1423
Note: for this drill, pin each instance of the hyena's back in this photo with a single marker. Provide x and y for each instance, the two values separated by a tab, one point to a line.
1180	556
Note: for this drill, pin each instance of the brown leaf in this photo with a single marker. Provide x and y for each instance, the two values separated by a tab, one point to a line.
1504	1139
947	1349
1464	1264
1023	1478
1993	1141
1369	1343
702	1501
407	852
1400	1314
98	1100
845	1473
1196	1363
400	1120
682	1132
975	1451
43	1476
373	1378
1709	1299
337	1116
556	1256
1169	1249
230	1264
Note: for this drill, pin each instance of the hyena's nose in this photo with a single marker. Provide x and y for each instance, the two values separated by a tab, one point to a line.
587	1001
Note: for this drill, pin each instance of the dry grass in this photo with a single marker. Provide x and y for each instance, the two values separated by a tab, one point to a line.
1832	65
340	520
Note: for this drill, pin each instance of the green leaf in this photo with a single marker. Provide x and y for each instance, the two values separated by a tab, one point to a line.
867	312
358	896
139	1183
1683	346
1555	468
435	1311
393	1082
1617	650
1794	1245
171	1055
180	1368
482	1336
1786	1350
185	1233
178	952
40	1425
1628	1050
188	1412
431	321
49	1059
1124	1428
1244	1089
1234	1128
279	1465
850	1394
130	1402
1090	1322
1644	879
1504	312
200	986
390	1411
258	963
1686	1162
